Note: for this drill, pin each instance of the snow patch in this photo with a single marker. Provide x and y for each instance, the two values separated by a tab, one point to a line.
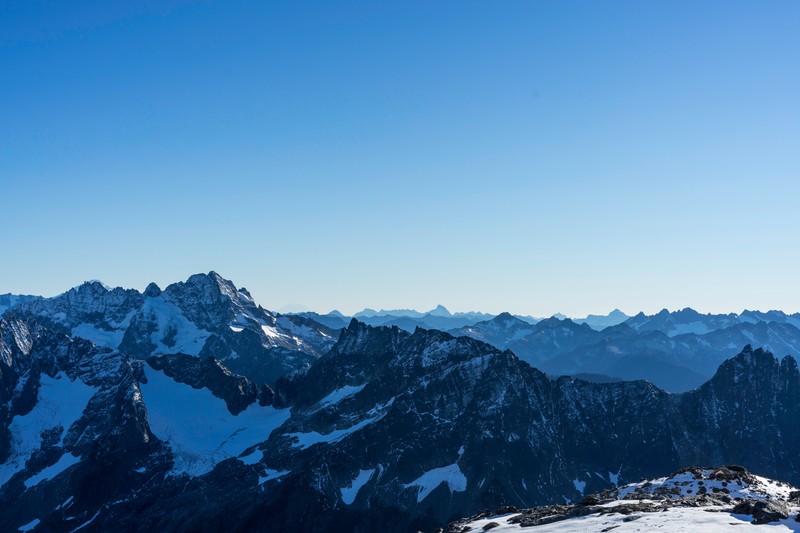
450	474
271	332
99	337
198	426
174	332
66	503
52	471
350	492
271	474
304	440
60	402
86	523
252	458
29	526
340	394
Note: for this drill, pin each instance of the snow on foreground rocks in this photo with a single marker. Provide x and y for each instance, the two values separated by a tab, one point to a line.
692	499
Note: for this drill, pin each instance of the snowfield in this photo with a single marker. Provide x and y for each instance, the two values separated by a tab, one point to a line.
676	520
60	403
198	426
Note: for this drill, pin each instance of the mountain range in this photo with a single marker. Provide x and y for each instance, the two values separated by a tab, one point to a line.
441	318
193	408
389	430
676	360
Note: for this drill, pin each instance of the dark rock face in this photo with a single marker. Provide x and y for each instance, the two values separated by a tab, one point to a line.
762	512
389	431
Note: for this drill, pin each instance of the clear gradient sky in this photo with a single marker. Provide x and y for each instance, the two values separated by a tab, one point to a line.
535	157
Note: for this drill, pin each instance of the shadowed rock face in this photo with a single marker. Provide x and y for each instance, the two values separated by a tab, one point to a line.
390	431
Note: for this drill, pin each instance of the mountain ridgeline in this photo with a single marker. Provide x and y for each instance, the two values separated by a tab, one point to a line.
387	430
204	316
208	316
676	351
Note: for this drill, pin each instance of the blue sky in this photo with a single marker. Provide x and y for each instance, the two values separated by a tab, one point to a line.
536	157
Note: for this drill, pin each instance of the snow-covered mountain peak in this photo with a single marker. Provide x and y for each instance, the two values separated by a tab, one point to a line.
207	289
204	315
98	284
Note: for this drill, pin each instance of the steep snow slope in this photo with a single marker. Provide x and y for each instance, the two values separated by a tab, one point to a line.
198	426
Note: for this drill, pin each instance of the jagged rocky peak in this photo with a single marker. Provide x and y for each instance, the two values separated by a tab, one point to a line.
556	321
440	310
83	303
500	331
728	498
505	316
213	302
204	289
754	367
359	338
8	300
152	291
391	355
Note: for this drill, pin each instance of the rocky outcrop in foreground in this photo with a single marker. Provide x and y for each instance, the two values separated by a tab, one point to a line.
691	499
